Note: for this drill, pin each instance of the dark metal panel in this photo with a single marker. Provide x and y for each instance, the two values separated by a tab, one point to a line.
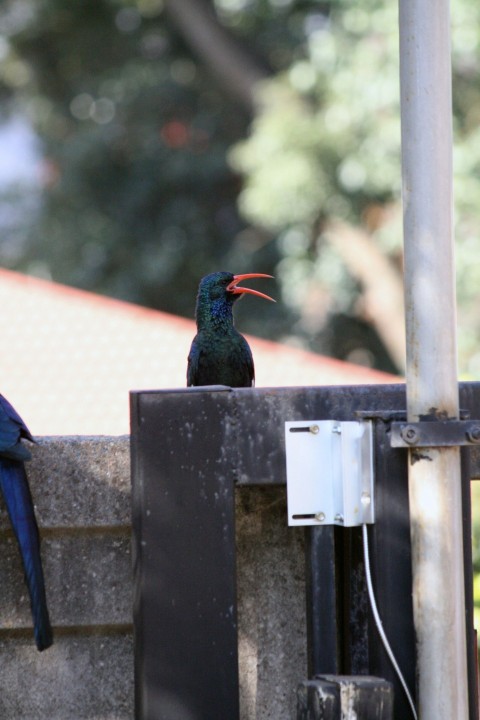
356	615
255	426
470	399
474	453
472	648
188	447
184	538
391	566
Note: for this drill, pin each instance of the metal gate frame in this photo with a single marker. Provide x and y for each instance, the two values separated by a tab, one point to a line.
190	448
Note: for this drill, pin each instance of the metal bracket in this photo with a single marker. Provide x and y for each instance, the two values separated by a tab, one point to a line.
435	433
329	472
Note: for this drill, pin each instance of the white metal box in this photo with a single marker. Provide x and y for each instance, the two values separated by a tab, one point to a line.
330	472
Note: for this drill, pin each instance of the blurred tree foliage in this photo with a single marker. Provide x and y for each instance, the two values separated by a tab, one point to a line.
156	117
137	198
322	168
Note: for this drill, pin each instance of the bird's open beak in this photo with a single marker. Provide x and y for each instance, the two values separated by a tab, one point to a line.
233	286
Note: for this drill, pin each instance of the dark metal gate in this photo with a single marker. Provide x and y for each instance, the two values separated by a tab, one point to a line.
189	450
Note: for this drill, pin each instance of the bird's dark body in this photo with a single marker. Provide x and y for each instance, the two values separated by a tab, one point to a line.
219	354
220	359
16	493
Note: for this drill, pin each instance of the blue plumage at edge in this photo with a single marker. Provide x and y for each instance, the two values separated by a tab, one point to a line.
16	493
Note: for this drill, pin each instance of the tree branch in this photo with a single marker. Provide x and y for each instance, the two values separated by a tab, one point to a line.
382	284
217	48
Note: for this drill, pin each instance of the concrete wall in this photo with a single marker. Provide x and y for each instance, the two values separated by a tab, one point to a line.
81	489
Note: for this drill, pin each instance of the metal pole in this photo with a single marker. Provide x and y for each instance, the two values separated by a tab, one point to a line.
434	474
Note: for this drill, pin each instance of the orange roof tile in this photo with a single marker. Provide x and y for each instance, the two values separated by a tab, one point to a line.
68	357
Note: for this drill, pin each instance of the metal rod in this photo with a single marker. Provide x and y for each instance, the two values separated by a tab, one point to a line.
324	642
434	474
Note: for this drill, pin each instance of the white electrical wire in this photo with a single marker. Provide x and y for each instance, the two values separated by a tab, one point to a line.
378	621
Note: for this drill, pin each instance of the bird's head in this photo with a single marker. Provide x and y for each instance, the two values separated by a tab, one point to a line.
223	286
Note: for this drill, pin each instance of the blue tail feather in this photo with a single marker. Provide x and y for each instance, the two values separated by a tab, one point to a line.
16	492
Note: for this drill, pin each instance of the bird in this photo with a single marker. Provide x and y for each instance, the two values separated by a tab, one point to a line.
18	500
219	354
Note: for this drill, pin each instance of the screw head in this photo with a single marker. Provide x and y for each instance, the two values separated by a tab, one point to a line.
320	516
314	429
409	434
474	434
365	499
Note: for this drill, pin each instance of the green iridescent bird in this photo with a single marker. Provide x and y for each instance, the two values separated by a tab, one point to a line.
219	354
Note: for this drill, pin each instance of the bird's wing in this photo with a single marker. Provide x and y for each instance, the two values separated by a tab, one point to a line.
250	365
192	363
12	430
16	492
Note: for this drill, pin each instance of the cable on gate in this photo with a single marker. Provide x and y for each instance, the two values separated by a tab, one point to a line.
378	621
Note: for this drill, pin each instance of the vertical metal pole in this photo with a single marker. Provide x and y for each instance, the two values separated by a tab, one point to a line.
324	611
434	474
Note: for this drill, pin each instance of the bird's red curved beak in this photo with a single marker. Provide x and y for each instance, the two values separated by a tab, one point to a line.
233	286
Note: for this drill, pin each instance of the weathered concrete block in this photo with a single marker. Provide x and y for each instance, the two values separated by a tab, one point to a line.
81	490
79	482
88	580
271	604
79	677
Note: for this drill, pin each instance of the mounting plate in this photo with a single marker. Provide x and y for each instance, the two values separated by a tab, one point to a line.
330	472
